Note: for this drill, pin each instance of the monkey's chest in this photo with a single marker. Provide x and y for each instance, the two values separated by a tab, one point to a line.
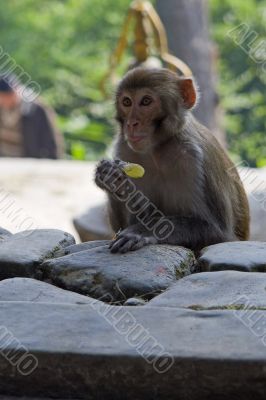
171	196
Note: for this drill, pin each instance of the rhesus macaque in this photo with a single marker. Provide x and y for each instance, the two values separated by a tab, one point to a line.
190	186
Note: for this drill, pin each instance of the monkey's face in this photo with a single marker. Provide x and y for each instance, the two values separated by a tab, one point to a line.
139	112
151	105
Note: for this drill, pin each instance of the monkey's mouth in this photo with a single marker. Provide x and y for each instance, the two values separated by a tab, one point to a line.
136	138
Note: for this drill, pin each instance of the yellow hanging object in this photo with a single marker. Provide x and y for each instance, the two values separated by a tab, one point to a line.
149	39
133	170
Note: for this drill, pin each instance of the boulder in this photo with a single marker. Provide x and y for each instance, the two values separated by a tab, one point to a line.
214	291
93	225
238	256
98	273
21	253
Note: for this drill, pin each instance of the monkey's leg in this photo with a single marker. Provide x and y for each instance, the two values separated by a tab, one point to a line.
196	233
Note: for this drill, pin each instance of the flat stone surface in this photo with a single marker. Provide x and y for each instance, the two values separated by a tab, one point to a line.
96	272
31	290
219	290
21	253
92	355
50	192
239	256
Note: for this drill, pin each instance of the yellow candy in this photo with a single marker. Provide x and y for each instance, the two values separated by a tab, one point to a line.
134	170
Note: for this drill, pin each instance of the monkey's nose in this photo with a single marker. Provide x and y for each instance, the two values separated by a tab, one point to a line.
132	124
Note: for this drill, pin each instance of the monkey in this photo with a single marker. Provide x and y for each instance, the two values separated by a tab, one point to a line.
189	180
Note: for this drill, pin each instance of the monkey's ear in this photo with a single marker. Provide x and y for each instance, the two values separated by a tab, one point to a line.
188	92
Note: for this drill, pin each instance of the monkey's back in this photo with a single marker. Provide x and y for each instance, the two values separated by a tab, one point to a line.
226	176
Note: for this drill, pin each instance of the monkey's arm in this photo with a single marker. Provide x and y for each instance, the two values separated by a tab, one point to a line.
116	214
110	178
191	232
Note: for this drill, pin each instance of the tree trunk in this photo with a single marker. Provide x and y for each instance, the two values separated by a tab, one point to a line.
186	24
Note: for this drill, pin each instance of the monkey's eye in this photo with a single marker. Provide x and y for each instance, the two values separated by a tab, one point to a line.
146	101
126	102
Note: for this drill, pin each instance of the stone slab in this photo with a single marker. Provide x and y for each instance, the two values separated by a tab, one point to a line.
88	354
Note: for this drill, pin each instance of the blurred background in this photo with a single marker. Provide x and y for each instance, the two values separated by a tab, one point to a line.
74	51
65	46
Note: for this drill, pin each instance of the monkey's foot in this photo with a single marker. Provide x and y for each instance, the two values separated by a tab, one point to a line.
129	241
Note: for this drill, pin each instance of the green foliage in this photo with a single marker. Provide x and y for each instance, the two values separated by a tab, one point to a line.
242	79
65	45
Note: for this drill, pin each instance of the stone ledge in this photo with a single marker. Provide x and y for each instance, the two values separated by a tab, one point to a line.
80	355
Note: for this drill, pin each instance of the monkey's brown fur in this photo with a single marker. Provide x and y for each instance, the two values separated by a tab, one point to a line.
188	175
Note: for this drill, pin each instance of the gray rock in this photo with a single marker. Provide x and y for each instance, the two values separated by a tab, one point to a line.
21	253
93	225
219	290
97	273
31	290
93	354
134	301
4	233
238	256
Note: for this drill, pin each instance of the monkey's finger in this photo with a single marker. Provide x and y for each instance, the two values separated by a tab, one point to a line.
105	165
139	244
118	235
115	246
119	163
99	179
129	245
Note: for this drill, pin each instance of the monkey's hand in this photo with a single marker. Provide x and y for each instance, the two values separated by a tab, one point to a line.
130	239
109	175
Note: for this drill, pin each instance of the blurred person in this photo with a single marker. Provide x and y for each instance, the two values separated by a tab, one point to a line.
27	129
